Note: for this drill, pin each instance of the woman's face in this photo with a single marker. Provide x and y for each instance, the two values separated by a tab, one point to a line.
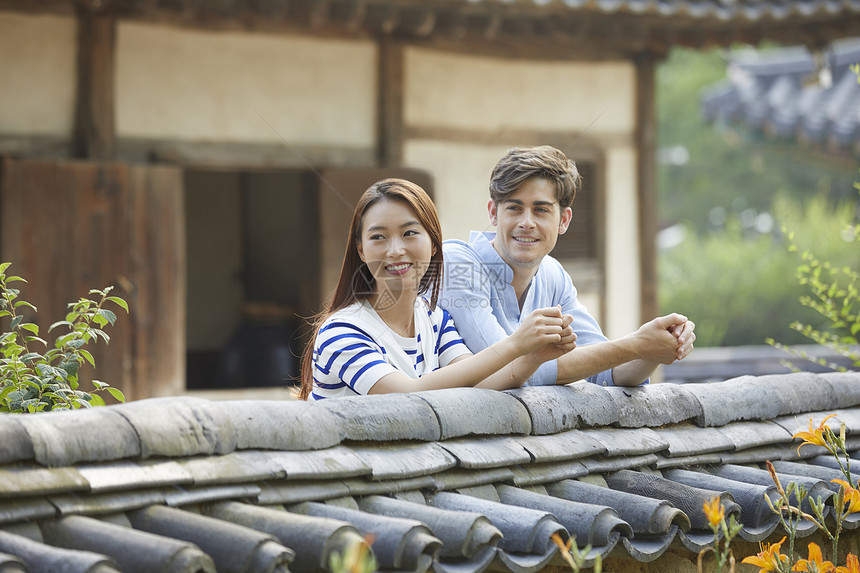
395	246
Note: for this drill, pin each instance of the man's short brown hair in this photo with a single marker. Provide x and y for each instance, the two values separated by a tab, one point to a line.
544	162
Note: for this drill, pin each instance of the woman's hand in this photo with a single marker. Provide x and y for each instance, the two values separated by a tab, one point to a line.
541	327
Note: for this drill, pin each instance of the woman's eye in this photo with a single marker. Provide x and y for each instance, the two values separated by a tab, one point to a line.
375	237
410	233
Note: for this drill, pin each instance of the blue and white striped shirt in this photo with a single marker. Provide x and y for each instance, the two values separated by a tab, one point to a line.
355	348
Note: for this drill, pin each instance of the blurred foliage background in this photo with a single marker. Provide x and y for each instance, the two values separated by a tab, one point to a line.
726	195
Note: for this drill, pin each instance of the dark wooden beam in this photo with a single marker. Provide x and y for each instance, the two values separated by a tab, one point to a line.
646	143
390	103
94	108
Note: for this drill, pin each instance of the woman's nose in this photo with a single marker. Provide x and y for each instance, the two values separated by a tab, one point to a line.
395	246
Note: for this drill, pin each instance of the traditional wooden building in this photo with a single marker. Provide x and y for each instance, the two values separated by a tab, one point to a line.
204	156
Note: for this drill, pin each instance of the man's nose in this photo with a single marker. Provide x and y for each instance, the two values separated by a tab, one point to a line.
526	220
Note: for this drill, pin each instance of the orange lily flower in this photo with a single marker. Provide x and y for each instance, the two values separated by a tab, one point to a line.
853	566
851	497
815	557
769	559
714	511
814	436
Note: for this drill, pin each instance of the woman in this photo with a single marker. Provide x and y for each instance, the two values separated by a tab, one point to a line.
380	332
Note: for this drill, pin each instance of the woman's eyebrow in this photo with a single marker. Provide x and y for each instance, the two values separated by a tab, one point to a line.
383	227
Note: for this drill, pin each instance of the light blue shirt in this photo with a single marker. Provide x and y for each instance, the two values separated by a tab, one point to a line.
477	292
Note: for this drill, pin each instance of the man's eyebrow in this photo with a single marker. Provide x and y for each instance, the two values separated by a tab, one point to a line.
383	227
521	202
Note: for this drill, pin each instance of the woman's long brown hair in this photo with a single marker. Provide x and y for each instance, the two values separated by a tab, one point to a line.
356	282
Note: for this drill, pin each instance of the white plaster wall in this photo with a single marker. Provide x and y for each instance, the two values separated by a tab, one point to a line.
487	94
37	74
622	243
461	175
231	86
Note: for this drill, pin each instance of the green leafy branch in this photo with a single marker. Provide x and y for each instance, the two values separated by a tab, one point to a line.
31	381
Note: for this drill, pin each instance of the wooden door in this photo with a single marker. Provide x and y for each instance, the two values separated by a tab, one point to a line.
69	226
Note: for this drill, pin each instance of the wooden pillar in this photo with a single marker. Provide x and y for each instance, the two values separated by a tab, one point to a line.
390	103
646	143
94	108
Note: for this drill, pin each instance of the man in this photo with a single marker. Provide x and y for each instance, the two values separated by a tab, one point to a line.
496	278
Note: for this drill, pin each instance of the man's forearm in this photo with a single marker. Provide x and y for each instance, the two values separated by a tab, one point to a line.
585	361
634	372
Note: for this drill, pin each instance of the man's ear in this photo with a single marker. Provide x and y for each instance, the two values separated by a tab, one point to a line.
491	210
566	216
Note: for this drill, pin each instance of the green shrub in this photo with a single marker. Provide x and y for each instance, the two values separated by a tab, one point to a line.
31	381
739	286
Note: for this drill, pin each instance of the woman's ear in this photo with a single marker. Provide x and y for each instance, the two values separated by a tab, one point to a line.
360	251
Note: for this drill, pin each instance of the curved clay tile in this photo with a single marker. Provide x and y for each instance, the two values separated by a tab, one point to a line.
644	514
591	524
42	557
383	418
825	474
687	498
313	539
554	409
659	405
283	425
526	545
180	426
815	487
398	543
17	445
734	400
476	411
399	461
758	520
491	452
133	550
468	538
232	547
567	445
64	438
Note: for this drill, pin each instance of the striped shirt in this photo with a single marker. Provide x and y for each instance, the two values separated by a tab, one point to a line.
355	348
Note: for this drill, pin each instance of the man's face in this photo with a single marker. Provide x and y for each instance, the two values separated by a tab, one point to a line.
528	223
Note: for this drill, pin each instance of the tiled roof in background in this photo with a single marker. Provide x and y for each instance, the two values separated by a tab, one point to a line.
779	93
540	28
451	481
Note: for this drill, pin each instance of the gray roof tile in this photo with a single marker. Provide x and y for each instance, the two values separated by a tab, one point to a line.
382	418
64	438
17	445
545	473
57	559
735	400
659	405
319	536
555	409
690	440
399	544
174	427
499	413
486	452
563	446
489	460
751	434
281	425
644	514
132	550
127	475
625	442
20	480
405	461
232	547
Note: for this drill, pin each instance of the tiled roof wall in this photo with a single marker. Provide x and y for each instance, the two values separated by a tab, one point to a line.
453	481
777	92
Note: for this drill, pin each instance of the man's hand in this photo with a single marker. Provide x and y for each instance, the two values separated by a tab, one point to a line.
557	349
659	340
686	337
